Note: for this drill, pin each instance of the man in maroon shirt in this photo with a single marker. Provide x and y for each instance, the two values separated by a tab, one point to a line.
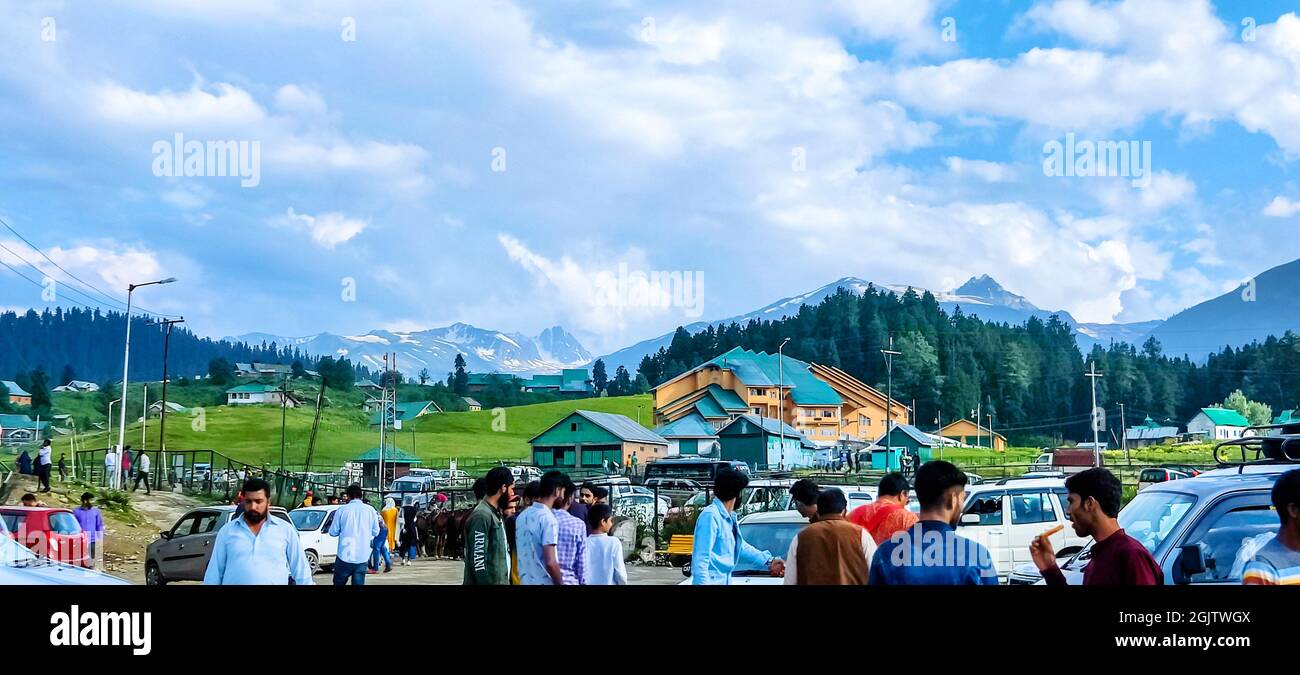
1117	559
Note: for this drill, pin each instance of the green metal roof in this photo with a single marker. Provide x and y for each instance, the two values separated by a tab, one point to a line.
1225	417
760	369
917	435
727	399
1287	417
690	426
708	407
11	421
767	424
545	381
623	427
391	456
252	389
405	411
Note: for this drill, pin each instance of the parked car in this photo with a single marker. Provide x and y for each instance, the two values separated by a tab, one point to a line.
52	532
770	531
1149	477
422	488
638	506
526	473
313	523
182	553
19	566
763	494
1201	530
1006	516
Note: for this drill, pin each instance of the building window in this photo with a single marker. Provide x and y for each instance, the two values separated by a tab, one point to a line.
864	420
573	426
828	413
757	410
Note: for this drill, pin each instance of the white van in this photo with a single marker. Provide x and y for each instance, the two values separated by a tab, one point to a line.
1006	516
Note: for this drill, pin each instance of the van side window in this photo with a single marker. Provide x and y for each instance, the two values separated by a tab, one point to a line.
988	507
1063	496
1032	507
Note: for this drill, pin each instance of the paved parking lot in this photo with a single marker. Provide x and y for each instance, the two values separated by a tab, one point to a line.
446	572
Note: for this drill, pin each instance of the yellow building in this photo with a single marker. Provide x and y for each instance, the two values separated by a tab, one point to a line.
824	403
969	433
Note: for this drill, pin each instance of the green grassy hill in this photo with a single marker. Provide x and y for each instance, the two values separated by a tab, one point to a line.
252	433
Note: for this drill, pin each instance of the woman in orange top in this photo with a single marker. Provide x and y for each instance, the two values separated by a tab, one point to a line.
389	514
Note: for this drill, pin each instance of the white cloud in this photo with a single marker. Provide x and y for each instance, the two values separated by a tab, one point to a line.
106	264
1281	207
327	230
1166	190
989	172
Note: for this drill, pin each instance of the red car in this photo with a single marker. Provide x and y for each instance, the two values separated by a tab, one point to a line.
48	531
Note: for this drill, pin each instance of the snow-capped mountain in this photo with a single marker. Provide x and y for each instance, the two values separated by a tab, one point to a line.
436	349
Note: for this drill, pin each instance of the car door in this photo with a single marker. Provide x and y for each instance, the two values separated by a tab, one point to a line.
329	546
203	539
177	549
1033	512
1230	533
991	528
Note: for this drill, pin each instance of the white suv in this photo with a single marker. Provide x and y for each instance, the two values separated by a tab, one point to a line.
1007	515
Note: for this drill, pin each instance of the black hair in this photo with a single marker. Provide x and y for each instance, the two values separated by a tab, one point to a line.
1286	491
496	479
29	497
533	490
728	483
831	501
257	484
354	491
561	480
479	488
805	491
550	482
935	479
86	496
587	485
597	513
892	484
599	492
1101	485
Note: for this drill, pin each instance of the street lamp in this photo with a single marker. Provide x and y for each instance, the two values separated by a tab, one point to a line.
126	361
889	398
780	398
110	434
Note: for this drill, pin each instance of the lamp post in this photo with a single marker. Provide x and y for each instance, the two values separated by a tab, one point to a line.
889	397
108	479
126	362
780	398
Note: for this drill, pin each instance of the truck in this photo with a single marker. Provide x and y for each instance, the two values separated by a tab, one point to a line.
1065	460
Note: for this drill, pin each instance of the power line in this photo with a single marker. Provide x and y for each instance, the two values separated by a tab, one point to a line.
57	265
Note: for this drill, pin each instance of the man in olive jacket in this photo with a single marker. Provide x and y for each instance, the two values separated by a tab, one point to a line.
487	559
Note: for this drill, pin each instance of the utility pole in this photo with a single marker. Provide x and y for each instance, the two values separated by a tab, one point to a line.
780	398
938	420
162	414
383	419
284	408
315	424
889	354
1123	428
993	444
126	361
1092	375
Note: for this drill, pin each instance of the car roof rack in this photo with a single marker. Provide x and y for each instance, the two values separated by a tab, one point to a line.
1268	448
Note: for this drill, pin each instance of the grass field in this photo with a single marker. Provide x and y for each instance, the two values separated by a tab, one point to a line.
252	433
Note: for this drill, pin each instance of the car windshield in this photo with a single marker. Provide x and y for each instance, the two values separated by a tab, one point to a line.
406	486
1149	518
305	520
774	538
62	522
14	555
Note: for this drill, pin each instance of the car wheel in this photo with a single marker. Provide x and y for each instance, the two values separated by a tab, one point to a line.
314	560
153	576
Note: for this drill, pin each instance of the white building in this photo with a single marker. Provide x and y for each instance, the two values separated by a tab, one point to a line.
254	394
1218	424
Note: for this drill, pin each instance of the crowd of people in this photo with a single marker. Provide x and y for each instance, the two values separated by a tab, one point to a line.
558	533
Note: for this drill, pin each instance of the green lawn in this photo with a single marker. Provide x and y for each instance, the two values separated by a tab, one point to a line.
252	433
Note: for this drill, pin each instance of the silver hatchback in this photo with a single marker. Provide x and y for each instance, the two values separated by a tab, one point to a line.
182	553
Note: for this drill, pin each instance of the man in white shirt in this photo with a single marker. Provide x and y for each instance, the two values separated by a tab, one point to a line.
43	465
356	524
110	466
142	472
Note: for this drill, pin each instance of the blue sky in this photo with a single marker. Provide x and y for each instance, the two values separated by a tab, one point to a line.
772	146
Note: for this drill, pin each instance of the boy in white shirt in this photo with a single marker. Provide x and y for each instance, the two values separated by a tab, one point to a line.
604	554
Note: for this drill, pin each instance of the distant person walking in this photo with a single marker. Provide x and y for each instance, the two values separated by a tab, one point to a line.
888	513
110	466
256	548
44	464
410	544
126	466
63	469
141	472
355	524
536	533
603	564
719	549
379	551
1277	563
1117	559
91	520
831	551
390	514
487	555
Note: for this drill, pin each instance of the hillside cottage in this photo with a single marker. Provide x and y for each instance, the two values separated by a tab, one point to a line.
585	439
17	395
254	394
1218	424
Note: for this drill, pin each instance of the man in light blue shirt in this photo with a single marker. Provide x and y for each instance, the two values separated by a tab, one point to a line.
719	548
256	549
356	524
537	533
